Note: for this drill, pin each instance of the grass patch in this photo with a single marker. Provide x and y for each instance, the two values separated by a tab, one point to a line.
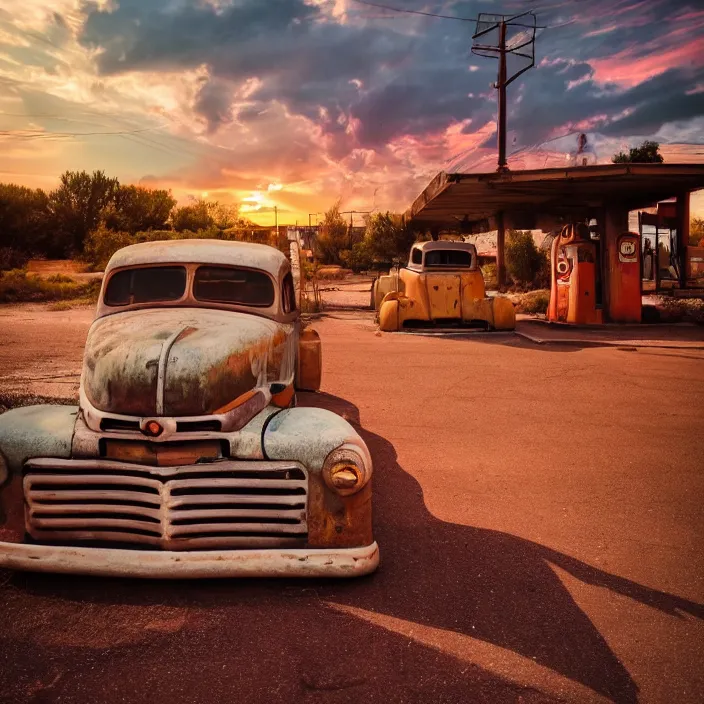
532	302
18	286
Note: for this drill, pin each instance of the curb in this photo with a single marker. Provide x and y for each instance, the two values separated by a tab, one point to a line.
583	342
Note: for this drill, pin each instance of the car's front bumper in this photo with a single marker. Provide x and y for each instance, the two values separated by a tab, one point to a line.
152	564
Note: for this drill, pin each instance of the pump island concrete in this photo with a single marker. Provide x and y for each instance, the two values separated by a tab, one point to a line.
187	455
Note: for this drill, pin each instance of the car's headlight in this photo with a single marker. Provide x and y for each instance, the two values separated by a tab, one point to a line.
346	470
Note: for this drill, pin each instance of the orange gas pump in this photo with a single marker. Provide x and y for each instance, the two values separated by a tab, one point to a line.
573	263
624	279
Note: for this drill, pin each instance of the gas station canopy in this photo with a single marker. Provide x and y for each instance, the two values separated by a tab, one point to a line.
476	198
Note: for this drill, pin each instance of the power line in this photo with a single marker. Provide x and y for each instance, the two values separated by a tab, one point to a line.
42	135
433	14
414	12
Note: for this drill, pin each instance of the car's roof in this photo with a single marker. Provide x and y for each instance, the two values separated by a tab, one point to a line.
445	244
249	254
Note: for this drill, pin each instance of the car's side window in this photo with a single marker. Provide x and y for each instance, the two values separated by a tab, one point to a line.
288	296
416	256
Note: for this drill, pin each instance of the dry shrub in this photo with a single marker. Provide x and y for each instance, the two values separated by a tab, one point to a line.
333	272
17	286
532	302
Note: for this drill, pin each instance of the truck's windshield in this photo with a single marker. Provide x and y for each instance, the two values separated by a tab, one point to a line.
146	285
245	287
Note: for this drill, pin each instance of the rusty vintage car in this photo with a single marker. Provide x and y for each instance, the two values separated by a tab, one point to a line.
441	285
187	455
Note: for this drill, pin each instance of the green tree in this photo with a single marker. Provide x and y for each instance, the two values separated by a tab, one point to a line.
525	263
386	237
78	204
333	236
101	244
24	219
645	153
696	232
136	209
193	217
226	216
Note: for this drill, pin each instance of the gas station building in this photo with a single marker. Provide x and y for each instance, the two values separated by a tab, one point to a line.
599	198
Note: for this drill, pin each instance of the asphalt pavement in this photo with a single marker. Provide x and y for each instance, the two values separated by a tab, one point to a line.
539	512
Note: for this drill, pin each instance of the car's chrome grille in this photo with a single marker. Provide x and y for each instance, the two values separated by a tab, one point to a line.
225	504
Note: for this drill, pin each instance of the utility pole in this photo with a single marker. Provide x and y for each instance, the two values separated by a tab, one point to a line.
502	166
501	131
521	44
351	213
276	221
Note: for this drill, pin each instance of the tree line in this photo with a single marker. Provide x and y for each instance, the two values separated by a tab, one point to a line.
60	223
384	238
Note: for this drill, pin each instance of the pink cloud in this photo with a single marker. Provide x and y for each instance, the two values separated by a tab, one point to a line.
628	69
603	30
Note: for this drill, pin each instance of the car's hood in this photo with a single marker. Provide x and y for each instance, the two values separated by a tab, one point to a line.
182	361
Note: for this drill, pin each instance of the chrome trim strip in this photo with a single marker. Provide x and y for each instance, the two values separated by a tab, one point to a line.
161	373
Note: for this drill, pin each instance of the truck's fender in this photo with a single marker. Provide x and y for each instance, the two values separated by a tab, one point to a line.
309	435
504	313
390	312
35	431
386	284
309	368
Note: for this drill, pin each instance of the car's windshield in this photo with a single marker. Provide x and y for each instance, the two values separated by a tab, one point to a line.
448	258
245	287
146	285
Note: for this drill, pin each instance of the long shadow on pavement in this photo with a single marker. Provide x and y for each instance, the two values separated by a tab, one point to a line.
263	640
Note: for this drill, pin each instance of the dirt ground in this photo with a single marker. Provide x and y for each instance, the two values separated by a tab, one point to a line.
539	512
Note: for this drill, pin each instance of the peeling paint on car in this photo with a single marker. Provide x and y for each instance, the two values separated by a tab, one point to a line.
36	431
309	435
224	355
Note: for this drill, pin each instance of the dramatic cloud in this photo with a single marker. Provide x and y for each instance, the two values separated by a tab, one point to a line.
326	98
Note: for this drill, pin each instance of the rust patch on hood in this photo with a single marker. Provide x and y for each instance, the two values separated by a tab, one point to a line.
217	357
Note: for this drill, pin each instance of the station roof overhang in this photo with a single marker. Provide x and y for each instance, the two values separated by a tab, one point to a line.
477	198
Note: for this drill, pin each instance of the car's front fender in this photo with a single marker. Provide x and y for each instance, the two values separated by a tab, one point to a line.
308	436
32	431
36	431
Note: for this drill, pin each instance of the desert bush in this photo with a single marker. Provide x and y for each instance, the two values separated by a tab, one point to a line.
386	237
532	302
136	209
25	225
17	286
359	258
332	272
489	274
525	263
647	152
681	309
333	237
11	258
193	217
101	244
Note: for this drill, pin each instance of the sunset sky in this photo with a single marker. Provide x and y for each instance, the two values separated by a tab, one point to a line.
297	103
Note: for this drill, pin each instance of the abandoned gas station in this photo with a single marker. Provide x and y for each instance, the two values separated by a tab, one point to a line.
600	268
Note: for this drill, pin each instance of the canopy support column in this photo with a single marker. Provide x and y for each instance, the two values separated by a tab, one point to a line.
500	250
